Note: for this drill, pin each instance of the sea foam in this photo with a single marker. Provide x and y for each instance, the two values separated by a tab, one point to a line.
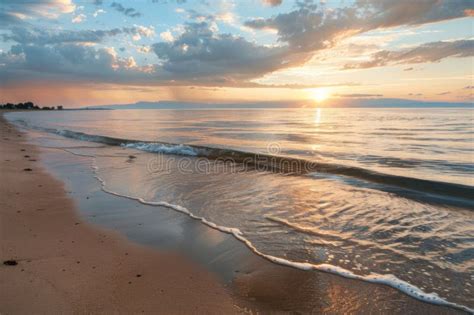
384	279
178	149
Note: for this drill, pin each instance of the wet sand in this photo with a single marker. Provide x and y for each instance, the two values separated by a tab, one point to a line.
66	264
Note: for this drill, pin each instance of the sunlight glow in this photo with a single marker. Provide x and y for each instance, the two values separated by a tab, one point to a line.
320	94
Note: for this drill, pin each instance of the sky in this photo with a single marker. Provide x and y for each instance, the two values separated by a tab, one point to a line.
93	52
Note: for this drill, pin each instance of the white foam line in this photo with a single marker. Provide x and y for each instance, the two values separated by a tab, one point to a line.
387	279
179	149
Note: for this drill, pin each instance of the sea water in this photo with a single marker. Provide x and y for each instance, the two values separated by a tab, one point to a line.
382	195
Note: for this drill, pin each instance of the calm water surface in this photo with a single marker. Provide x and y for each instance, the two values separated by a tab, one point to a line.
379	218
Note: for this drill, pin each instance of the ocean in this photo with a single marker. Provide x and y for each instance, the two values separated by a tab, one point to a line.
381	195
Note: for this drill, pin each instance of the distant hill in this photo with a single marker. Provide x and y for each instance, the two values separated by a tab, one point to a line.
340	102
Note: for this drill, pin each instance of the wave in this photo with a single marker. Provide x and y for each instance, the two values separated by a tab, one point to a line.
456	194
178	149
268	162
384	279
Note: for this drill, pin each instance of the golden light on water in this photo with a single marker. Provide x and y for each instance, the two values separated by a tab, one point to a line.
320	94
317	116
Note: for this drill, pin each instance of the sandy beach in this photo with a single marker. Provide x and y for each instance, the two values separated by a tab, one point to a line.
67	265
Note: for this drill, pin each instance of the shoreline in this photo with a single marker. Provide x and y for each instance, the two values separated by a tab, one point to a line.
264	287
67	266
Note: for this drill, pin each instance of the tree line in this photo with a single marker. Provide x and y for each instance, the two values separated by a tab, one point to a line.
28	106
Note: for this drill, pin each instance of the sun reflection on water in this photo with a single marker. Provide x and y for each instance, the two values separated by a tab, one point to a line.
317	116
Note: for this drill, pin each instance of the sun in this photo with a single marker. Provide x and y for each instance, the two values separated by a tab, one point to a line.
320	94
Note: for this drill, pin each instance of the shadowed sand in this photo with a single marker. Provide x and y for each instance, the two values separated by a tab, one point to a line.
66	265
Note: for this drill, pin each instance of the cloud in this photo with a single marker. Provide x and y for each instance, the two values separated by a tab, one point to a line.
8	20
199	52
429	52
26	62
18	12
469	87
97	12
79	18
311	28
272	3
167	36
143	30
359	95
61	56
137	31
444	93
42	8
39	36
388	13
130	12
144	49
201	55
408	69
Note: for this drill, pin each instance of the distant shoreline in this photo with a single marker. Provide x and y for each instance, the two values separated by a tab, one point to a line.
175	105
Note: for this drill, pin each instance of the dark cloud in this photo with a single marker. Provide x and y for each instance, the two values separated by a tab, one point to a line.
66	55
131	12
469	87
68	62
444	93
430	52
408	69
311	27
71	62
389	13
307	28
47	37
201	52
8	20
